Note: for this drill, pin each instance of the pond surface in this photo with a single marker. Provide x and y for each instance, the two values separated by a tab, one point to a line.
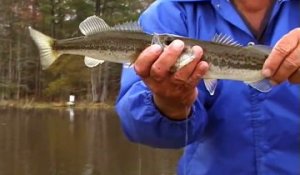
79	142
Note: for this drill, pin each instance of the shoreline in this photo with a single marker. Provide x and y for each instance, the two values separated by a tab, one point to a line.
54	105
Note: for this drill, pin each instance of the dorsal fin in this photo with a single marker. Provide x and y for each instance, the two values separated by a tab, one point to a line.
225	39
93	25
128	26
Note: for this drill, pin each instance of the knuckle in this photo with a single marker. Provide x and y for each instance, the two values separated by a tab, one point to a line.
294	57
156	69
178	78
193	81
290	64
282	49
287	43
156	72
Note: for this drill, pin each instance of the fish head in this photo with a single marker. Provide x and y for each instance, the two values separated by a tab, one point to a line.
186	56
164	39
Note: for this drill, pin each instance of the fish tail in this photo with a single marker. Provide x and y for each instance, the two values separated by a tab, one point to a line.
45	46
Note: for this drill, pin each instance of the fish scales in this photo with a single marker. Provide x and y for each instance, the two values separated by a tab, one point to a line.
110	41
230	56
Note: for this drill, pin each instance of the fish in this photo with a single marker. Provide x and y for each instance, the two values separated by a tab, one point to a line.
122	43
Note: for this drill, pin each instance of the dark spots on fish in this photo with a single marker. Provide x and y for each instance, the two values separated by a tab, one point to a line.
111	44
237	61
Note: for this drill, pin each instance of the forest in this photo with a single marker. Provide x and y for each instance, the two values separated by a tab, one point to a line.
21	76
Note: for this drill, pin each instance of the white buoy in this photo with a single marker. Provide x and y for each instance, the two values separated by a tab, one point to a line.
71	101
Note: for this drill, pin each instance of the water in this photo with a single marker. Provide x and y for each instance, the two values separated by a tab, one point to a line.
80	142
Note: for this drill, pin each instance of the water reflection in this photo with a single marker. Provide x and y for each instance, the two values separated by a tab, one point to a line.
71	142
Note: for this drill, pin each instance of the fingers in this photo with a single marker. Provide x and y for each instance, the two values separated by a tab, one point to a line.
284	59
282	49
290	64
154	66
199	72
160	68
183	74
145	60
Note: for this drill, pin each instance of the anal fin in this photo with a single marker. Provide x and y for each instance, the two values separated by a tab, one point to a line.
211	85
262	85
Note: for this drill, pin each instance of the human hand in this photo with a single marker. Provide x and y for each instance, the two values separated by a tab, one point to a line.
173	93
283	62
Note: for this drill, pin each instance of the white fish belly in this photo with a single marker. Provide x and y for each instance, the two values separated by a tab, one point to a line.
245	75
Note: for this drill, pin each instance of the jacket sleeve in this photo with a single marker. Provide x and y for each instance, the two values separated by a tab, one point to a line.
141	120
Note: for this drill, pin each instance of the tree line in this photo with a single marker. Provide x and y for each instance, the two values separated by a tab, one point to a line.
21	76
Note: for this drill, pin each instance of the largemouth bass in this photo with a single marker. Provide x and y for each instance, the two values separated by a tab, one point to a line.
123	43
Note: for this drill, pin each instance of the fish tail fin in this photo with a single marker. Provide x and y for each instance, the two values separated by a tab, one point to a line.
44	44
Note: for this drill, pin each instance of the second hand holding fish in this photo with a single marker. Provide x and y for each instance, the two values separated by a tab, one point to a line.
283	62
173	93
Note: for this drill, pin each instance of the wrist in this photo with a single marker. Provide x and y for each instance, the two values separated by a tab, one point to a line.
172	109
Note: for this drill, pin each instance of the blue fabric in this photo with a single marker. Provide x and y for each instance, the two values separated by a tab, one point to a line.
238	131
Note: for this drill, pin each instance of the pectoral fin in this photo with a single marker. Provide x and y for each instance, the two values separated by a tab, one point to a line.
156	40
210	85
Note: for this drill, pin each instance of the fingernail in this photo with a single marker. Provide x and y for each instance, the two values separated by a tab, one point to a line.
177	44
197	51
156	48
267	72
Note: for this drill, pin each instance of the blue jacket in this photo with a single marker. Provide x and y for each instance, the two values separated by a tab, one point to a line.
237	131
